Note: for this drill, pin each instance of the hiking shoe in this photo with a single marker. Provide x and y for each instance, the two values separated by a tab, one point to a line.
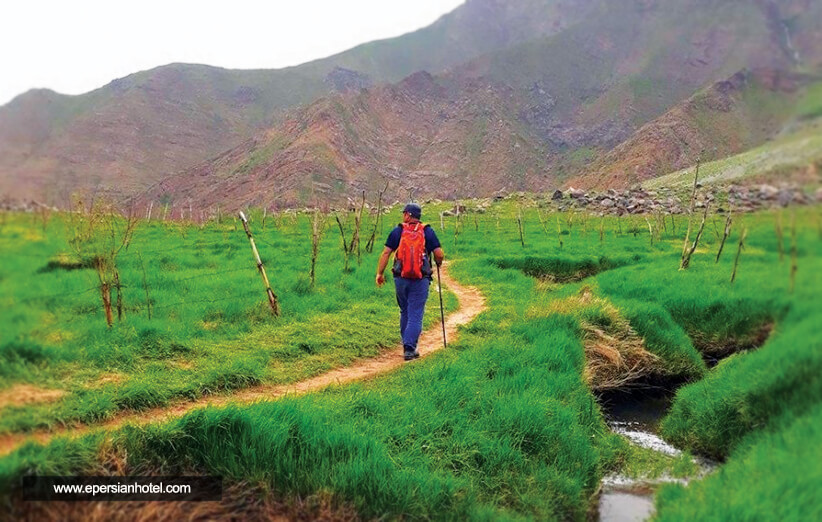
409	353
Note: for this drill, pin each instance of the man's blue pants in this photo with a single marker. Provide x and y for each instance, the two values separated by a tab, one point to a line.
411	296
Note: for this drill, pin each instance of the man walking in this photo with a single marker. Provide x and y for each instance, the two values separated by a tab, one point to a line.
413	242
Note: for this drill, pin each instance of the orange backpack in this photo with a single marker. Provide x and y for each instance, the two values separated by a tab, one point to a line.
411	260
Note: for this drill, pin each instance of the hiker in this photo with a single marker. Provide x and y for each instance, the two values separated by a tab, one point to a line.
413	242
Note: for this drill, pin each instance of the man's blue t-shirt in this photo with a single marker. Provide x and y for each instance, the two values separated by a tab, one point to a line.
431	241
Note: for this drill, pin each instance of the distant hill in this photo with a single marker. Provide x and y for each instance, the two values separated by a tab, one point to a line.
517	95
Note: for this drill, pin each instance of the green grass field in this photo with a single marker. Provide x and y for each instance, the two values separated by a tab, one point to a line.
502	425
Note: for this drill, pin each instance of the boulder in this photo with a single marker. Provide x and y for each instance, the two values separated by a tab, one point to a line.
557	195
768	192
607	203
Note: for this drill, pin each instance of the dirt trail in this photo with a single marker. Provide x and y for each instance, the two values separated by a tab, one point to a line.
471	302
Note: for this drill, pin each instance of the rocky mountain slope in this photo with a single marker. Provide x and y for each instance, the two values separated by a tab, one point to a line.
729	117
523	95
581	104
138	129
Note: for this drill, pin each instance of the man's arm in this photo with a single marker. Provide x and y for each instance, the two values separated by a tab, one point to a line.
439	255
383	262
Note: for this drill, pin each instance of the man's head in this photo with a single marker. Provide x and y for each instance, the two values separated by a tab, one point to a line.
412	212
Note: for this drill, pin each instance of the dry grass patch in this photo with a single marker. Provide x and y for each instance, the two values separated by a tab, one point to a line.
615	354
22	394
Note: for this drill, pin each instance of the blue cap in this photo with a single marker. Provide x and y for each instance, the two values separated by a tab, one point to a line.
413	209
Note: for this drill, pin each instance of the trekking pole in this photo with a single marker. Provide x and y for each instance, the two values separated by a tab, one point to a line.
442	308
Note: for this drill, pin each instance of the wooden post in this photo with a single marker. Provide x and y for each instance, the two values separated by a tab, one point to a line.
272	298
682	263
317	229
779	236
602	228
686	256
559	232
794	253
355	240
650	230
542	221
105	292
119	289
369	247
728	221
145	284
150	208
519	223
739	252
344	243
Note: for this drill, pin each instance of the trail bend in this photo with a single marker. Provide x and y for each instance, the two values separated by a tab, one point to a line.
471	304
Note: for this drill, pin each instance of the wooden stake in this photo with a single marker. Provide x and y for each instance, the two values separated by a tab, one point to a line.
272	298
317	229
145	284
728	221
602	228
686	258
779	236
519	223
794	253
369	247
357	223
105	292
682	264
739	252
344	242
119	288
150	208
559	232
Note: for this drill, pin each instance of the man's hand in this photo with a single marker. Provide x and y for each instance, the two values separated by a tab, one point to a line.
383	262
439	255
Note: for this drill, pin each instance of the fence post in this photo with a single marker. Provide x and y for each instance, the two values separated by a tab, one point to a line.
742	236
272	299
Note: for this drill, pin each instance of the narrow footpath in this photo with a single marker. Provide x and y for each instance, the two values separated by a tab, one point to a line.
471	304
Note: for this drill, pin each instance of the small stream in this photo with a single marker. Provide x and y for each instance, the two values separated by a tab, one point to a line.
636	416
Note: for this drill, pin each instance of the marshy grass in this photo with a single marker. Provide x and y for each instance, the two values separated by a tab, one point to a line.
504	424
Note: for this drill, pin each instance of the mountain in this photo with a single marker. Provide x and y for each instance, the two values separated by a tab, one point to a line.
564	107
425	134
141	128
729	117
521	94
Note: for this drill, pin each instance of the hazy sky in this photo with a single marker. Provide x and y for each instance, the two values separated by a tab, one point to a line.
74	46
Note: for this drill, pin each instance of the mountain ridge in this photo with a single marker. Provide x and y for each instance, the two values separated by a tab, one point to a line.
571	80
